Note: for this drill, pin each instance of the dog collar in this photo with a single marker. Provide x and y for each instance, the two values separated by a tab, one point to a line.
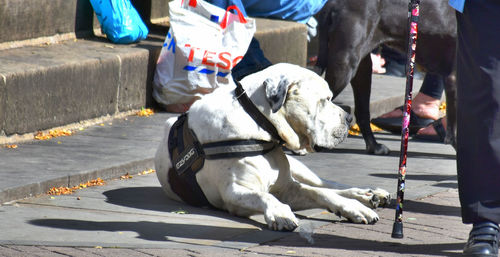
254	112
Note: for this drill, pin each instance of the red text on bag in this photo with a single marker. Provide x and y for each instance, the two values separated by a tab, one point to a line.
221	60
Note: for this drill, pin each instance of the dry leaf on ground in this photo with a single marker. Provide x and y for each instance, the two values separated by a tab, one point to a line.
145	112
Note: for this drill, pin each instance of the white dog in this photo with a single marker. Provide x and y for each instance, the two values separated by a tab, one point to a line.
298	103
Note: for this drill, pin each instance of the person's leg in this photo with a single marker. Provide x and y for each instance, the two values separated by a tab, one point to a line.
433	85
394	61
478	116
478	124
426	103
253	61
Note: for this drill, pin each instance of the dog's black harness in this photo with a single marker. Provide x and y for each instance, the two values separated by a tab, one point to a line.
188	155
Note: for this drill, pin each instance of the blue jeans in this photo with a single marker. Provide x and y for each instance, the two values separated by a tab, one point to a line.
253	61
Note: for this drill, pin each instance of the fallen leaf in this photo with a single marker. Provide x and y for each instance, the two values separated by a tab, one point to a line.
375	128
180	212
146	172
145	112
442	107
126	176
354	130
12	146
71	190
53	133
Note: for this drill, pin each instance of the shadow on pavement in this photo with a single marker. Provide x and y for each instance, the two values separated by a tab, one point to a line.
329	241
425	177
154	199
160	231
147	230
392	153
433	209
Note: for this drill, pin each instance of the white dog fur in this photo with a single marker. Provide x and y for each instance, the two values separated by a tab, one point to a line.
273	184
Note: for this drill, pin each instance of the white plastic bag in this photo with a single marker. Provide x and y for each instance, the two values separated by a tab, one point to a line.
202	46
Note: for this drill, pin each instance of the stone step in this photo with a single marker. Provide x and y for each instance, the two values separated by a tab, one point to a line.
48	85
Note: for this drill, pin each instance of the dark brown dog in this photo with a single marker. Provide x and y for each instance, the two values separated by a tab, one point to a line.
350	29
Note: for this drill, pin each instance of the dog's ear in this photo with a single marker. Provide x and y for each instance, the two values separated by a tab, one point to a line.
276	90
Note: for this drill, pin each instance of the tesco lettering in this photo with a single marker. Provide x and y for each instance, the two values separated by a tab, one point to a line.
222	60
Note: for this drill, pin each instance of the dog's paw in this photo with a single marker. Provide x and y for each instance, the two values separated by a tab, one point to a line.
358	213
281	218
371	198
300	152
380	198
378	149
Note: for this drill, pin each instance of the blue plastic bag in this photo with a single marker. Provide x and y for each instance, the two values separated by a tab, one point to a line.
120	21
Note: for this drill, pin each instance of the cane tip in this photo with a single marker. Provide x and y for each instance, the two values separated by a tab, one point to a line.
397	230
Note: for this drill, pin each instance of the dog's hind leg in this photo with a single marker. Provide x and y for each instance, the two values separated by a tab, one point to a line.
361	86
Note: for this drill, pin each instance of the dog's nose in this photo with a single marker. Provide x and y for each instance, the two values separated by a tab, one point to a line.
348	118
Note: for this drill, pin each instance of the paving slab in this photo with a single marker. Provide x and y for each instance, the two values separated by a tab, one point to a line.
133	217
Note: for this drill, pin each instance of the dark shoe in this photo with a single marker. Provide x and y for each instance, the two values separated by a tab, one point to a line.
393	68
483	240
439	137
393	125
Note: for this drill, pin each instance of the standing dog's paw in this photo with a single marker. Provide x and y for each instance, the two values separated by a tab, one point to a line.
281	218
378	149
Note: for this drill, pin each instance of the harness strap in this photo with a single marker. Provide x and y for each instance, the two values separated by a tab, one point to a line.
255	113
186	163
237	148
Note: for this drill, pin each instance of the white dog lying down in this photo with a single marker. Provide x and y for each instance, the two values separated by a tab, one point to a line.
272	183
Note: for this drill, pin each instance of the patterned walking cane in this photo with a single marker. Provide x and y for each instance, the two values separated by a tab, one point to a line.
413	14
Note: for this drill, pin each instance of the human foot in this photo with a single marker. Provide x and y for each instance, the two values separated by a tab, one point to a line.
436	131
423	106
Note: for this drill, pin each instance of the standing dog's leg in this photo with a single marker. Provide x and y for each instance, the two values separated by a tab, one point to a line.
361	86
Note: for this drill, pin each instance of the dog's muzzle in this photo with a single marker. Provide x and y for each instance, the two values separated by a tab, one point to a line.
348	121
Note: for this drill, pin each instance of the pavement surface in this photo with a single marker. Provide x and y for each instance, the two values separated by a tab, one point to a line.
130	216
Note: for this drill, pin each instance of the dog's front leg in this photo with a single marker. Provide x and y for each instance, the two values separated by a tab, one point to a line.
243	201
301	196
361	86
